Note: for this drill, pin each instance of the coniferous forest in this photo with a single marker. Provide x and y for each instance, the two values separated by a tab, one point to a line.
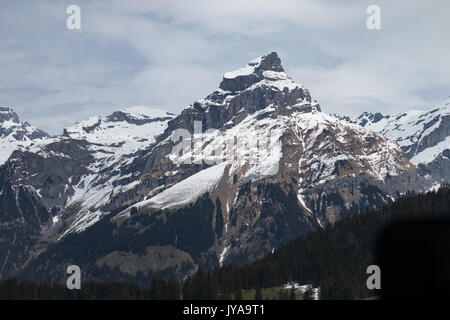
334	258
159	289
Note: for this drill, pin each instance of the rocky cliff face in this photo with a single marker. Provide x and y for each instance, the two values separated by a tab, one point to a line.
235	175
23	220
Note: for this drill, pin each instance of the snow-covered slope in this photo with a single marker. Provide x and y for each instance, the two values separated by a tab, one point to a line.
409	129
186	191
15	134
124	131
113	141
423	135
77	173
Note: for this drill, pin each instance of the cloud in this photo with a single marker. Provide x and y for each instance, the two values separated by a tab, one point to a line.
169	53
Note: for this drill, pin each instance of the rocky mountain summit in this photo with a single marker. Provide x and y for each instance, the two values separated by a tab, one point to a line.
15	134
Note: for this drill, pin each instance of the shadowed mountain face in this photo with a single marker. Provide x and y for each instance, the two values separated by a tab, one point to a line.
143	192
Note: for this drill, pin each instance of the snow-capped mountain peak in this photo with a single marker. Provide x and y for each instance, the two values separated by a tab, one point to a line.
265	70
137	125
270	62
143	113
424	136
275	133
15	134
7	114
262	82
408	129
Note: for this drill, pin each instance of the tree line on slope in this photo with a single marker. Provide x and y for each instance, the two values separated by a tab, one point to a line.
334	258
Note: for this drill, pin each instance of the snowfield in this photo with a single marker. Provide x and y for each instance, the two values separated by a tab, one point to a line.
122	136
187	190
429	154
244	71
410	128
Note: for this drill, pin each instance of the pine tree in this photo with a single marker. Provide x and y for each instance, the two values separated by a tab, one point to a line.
292	294
173	291
158	289
187	295
238	294
258	294
211	288
283	294
226	296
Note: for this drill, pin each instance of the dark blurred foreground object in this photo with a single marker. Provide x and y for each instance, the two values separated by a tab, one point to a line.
414	258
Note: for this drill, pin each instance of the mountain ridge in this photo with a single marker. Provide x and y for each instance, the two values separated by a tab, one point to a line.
250	166
424	136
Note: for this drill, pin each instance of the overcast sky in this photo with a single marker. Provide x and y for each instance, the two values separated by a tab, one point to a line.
167	54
